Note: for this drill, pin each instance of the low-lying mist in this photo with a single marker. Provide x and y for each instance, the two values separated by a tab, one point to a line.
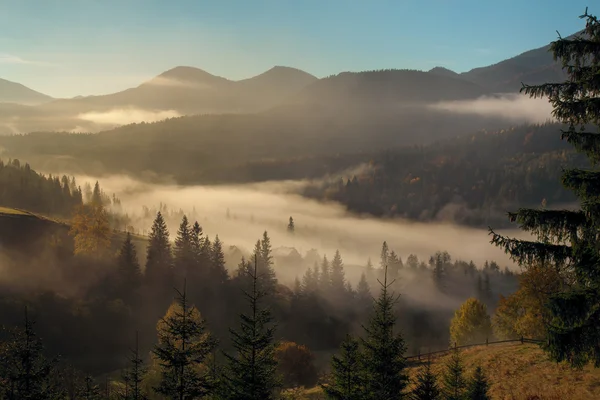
514	107
116	117
239	214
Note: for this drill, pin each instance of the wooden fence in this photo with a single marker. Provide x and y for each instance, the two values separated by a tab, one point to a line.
420	356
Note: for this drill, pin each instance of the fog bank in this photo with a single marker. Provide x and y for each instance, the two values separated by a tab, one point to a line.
514	107
239	215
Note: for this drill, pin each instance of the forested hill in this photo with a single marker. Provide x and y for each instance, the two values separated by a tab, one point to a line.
471	179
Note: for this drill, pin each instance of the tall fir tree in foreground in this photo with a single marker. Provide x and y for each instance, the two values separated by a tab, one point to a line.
426	386
183	346
383	350
252	372
455	383
568	240
347	379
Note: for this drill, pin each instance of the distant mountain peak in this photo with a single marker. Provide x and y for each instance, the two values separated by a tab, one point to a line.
189	74
12	92
443	71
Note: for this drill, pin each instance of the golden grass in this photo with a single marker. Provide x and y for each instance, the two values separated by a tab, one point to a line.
524	372
516	372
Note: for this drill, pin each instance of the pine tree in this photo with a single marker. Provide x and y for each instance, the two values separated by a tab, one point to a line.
183	345
291	228
251	372
201	261
567	240
130	274
347	380
455	384
91	391
384	361
218	272
266	274
337	274
438	264
324	276
96	199
135	374
184	257
24	371
478	386
385	254
363	292
426	387
158	257
394	264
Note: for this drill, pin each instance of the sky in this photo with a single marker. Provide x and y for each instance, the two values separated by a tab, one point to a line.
66	48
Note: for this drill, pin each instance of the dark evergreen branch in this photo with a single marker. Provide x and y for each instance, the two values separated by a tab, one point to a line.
526	252
584	183
586	142
550	225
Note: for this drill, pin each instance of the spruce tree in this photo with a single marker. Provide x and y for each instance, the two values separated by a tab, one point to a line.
478	386
325	276
218	272
184	257
455	384
158	253
25	372
130	274
96	199
363	292
567	240
337	274
347	379
384	349
426	386
91	391
385	254
252	371
135	374
183	345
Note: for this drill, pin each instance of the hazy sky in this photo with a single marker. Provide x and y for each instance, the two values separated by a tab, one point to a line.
72	47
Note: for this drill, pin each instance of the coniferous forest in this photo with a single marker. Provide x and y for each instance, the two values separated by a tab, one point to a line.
99	301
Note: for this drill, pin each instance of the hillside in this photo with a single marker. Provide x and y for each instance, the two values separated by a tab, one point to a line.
523	371
516	372
386	88
11	92
532	67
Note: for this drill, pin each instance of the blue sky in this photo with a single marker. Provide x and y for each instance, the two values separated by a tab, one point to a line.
72	47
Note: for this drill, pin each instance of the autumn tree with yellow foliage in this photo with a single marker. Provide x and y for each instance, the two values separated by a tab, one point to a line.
90	230
525	313
471	323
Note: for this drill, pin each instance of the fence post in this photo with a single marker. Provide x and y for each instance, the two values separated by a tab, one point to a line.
522	340
486	342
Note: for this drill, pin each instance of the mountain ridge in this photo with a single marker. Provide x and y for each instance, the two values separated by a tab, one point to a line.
14	92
